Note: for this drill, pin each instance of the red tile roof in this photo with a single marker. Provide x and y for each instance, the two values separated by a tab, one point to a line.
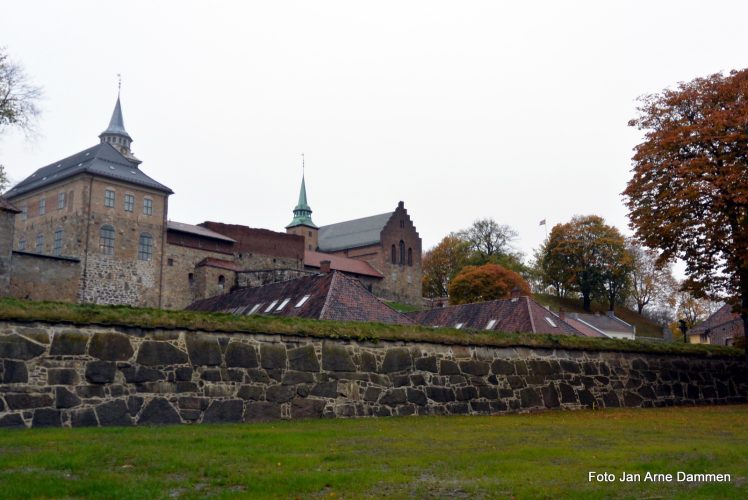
583	328
332	296
197	230
515	315
340	263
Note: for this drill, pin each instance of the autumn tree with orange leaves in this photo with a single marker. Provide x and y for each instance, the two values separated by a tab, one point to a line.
689	192
483	283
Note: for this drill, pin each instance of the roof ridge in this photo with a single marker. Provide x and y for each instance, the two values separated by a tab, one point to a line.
357	219
326	305
529	313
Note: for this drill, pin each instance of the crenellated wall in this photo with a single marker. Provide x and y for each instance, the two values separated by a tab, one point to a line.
63	375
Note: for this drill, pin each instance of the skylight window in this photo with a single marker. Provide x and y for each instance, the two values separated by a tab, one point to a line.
491	324
302	301
111	167
58	165
459	325
283	304
271	306
80	164
551	322
254	309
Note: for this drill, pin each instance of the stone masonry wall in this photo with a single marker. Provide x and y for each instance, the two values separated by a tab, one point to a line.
61	375
43	277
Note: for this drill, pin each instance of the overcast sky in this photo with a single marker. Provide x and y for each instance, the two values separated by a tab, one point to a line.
516	111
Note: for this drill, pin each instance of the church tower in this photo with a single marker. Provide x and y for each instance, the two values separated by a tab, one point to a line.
116	135
302	219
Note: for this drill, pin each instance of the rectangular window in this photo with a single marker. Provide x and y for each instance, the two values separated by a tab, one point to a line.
254	309
40	243
106	240
109	198
147	206
283	304
58	243
271	306
303	299
145	247
60	200
22	244
42	206
129	202
24	212
491	324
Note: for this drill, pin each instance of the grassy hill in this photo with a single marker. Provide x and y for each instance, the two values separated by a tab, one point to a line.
644	326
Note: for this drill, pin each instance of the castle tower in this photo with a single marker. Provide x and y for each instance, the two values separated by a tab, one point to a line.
302	219
116	135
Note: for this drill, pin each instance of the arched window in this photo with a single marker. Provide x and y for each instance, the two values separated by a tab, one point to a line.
221	282
57	249
402	253
106	240
410	257
40	243
191	279
394	255
145	247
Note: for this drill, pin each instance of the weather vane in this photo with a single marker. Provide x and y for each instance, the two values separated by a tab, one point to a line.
302	163
119	82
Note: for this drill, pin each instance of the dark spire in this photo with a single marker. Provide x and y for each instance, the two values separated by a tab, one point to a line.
115	134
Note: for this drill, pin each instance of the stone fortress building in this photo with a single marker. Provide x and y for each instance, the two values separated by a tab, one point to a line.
94	228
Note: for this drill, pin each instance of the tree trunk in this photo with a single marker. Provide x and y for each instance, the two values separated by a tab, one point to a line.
586	301
744	315
639	307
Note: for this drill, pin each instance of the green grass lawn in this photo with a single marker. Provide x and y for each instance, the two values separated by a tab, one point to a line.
545	455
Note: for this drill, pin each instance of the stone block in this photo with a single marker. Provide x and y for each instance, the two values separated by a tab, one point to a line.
303	359
371	394
137	374
17	347
203	350
273	356
46	417
183	374
440	394
405	410
90	391
516	382
476	368
417	380
400	380
502	367
530	398
307	408
13	420
294	377
84	417
159	411
427	364
192	403
336	358
258	376
326	389
69	344
262	411
488	392
568	396
229	410
211	375
550	396
155	353
62	376
397	359
393	397
110	346
569	366
459	408
632	400
190	415
22	401
586	398
482	407
447	367
466	393
239	355
610	400
217	390
416	396
368	362
65	399
113	413
14	372
36	334
250	392
134	404
279	393
100	372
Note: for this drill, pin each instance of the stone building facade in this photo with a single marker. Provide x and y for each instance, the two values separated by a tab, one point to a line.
97	224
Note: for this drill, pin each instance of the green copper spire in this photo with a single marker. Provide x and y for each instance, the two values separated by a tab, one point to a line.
302	214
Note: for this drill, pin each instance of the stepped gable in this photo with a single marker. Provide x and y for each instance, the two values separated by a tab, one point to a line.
332	296
102	160
353	233
340	263
522	315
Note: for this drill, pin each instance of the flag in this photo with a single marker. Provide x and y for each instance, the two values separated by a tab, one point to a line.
542	223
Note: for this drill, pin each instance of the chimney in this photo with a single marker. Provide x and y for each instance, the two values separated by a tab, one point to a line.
561	314
516	292
324	266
